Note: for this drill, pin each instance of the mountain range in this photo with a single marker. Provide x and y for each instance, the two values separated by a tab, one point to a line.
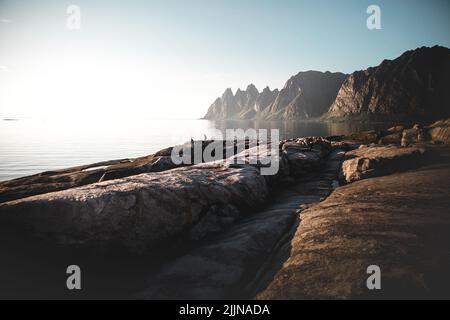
415	85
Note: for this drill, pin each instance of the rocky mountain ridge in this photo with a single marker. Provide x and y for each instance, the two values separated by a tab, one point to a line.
415	85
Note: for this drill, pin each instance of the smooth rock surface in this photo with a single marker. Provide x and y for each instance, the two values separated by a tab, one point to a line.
137	213
400	223
367	162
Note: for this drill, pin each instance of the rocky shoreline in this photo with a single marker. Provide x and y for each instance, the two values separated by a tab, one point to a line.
223	231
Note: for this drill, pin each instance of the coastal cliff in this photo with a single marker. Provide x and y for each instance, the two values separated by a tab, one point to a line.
415	85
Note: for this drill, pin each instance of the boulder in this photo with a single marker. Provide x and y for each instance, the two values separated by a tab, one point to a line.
381	160
413	135
306	154
440	131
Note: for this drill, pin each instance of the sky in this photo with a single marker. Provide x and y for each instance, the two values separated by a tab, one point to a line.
172	59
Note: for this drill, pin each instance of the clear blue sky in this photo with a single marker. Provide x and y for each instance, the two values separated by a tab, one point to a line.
180	55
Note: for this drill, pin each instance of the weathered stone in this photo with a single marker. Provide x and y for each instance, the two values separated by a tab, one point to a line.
396	129
395	138
440	131
377	161
305	154
399	222
58	180
413	135
137	212
235	264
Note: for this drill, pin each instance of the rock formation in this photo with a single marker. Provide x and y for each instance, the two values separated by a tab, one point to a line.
221	230
415	85
398	222
381	160
243	105
138	212
306	95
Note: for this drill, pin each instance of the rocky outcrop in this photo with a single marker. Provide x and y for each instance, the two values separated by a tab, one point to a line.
375	161
398	222
415	85
234	264
137	213
306	95
59	180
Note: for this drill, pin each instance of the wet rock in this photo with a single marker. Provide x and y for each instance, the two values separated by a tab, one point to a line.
137	213
377	161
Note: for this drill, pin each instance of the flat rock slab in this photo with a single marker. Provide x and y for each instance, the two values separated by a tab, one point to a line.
373	161
139	212
400	223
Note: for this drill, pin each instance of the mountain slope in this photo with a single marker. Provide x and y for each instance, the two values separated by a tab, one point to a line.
415	85
243	105
306	95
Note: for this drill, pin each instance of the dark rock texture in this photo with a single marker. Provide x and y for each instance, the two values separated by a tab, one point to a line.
415	85
399	222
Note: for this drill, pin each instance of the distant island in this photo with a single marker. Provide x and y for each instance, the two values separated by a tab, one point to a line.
416	85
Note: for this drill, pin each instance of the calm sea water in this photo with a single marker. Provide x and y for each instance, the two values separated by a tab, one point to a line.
29	146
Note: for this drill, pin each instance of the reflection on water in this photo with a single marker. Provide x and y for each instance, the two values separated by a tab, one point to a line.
295	129
30	146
